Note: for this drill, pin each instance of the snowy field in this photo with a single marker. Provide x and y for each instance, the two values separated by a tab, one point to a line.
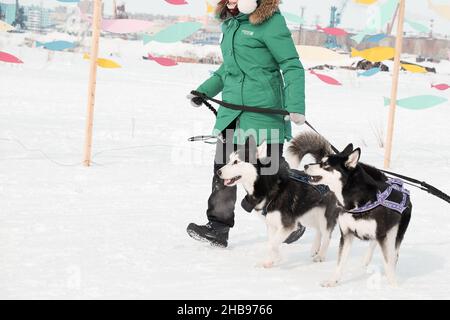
117	229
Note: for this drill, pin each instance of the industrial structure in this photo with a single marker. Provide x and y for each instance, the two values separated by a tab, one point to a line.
335	20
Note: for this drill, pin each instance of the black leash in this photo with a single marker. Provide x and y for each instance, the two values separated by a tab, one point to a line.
422	185
236	106
201	138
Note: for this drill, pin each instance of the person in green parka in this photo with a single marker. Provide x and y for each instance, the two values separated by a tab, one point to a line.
261	68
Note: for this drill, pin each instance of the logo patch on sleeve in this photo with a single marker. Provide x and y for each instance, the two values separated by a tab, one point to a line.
248	33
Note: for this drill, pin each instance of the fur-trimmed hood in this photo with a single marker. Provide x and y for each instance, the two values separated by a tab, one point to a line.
265	10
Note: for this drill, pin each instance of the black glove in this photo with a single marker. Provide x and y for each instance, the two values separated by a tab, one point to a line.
195	100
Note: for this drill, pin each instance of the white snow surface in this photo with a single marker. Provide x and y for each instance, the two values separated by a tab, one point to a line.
117	229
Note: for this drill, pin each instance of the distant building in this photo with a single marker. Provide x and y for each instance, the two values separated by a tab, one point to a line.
59	16
38	18
153	17
422	46
9	10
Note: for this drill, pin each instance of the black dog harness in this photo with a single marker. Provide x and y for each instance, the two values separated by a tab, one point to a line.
302	177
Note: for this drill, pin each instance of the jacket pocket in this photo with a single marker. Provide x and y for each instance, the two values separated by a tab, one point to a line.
274	91
232	89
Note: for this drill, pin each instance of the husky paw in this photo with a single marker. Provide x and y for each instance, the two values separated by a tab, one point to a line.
318	258
329	283
314	253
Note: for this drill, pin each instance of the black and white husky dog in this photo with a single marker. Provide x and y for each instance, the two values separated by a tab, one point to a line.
359	188
284	200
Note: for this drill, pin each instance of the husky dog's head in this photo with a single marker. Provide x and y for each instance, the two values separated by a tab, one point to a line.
242	167
334	170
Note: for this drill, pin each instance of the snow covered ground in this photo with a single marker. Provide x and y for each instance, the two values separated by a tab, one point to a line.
117	229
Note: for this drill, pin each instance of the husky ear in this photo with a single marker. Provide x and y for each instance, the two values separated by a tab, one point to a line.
261	151
348	149
353	158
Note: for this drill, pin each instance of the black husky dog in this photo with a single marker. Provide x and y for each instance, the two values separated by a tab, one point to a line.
286	197
376	208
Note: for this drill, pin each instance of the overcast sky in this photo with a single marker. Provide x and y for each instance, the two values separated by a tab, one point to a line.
354	16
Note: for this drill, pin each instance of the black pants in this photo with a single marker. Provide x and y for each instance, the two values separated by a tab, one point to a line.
221	203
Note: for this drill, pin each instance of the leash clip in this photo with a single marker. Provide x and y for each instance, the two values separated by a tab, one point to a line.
205	139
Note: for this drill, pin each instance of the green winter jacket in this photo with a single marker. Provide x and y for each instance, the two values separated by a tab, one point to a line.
257	57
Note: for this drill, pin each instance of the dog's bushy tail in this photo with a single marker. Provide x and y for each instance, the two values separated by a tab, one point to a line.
307	143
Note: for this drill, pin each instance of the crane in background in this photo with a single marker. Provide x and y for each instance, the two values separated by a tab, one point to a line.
21	18
335	20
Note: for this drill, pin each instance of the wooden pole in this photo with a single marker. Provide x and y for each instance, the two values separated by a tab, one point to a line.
393	105
92	81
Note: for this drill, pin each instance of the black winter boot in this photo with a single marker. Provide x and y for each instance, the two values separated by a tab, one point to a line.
215	234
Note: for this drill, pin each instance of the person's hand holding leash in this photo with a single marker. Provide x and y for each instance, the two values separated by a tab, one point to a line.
298	119
195	100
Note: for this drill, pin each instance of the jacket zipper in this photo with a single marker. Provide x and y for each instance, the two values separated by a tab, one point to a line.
234	58
240	137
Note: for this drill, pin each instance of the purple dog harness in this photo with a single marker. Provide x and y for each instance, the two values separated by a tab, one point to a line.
395	197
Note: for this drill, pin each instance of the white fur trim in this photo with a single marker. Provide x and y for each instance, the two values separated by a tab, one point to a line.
247	6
